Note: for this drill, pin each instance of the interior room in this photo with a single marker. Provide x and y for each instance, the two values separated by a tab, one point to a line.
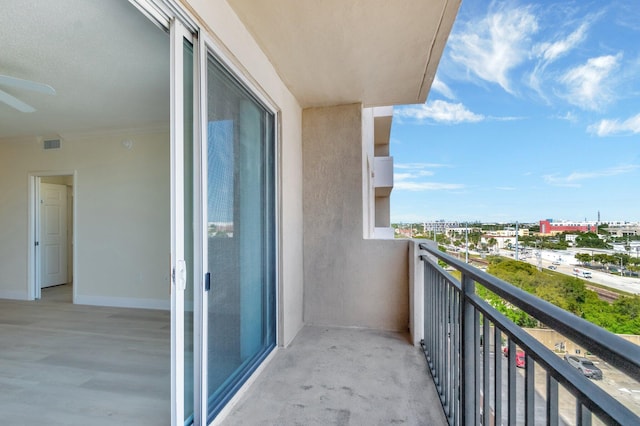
84	214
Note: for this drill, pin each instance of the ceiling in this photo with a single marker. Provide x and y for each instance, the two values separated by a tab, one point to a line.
110	66
331	52
107	62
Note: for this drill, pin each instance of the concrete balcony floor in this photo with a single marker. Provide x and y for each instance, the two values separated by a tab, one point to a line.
342	376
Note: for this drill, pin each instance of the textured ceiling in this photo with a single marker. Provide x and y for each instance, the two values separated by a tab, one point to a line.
107	62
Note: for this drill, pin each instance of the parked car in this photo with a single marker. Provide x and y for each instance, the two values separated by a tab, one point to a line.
520	356
585	366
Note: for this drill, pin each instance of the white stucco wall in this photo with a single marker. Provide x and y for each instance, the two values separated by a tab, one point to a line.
122	215
231	38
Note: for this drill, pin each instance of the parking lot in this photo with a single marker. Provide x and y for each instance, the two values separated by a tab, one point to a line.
616	384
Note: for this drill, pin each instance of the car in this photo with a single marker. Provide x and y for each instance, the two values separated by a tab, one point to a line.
585	366
556	262
552	267
520	356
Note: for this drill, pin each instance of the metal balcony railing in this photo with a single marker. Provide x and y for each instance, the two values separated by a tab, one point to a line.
463	335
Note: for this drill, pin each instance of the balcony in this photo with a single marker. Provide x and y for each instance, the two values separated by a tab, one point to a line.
357	376
341	376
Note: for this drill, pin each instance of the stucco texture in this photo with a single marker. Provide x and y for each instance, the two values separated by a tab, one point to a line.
348	281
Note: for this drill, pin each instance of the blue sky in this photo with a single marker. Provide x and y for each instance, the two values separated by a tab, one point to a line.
534	113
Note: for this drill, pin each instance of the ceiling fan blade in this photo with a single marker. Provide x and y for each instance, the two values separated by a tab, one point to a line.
15	102
27	84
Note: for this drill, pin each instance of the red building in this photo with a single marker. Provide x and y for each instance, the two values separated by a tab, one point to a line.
548	226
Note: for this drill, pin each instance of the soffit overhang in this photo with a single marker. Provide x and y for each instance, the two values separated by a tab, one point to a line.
331	52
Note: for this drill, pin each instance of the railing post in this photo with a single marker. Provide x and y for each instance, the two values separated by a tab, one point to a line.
469	411
416	293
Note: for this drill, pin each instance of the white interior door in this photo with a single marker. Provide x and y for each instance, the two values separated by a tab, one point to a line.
53	234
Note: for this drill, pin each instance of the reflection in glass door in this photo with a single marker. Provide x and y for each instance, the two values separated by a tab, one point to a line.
240	234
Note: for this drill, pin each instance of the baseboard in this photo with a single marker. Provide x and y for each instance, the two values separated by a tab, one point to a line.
123	302
14	295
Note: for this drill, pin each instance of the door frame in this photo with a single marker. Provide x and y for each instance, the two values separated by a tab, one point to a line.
33	217
208	45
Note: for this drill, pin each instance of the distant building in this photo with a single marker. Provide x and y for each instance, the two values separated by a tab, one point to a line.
551	227
508	232
440	226
624	229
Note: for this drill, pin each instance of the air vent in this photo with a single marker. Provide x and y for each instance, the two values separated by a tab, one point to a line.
51	144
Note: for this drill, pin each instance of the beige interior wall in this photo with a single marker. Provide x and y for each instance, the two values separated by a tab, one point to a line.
349	281
233	41
122	215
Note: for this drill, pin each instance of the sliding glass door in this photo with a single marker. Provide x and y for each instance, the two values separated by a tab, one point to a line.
223	248
240	234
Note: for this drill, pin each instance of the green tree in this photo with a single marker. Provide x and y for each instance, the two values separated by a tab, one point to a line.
590	239
568	293
475	237
584	257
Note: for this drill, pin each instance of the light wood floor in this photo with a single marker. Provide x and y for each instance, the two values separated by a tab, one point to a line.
65	364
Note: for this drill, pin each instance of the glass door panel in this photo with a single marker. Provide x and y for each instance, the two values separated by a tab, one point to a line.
240	234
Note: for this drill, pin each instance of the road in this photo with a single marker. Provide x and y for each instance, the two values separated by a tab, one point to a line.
616	384
565	404
568	263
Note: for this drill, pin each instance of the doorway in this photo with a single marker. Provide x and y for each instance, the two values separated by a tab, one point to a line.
51	236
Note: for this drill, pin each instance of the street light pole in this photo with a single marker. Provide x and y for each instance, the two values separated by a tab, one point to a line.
617	257
466	243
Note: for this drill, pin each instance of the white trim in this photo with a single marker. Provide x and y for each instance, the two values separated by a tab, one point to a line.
228	408
14	295
123	302
277	183
201	249
238	72
178	265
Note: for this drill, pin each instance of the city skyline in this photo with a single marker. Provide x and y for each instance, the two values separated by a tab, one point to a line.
534	113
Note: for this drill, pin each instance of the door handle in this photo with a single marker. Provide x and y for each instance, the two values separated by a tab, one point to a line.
180	277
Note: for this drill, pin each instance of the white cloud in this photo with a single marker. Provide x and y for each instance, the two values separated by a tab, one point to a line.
442	88
573	179
420	165
492	46
399	177
613	127
569	116
549	52
440	111
589	86
505	188
410	179
426	186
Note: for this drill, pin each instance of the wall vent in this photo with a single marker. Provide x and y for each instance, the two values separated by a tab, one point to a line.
51	144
